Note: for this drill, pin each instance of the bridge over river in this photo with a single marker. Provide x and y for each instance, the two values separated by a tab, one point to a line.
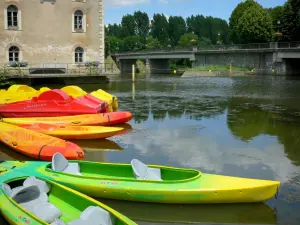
283	58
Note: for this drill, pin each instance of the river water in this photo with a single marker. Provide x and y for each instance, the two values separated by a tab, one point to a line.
247	127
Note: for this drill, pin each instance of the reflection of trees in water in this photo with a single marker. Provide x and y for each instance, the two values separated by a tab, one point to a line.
246	121
173	106
210	213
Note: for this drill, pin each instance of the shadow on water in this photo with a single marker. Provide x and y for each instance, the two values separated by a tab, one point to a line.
217	214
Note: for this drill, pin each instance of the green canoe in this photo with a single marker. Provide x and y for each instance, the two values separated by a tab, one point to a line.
139	182
28	200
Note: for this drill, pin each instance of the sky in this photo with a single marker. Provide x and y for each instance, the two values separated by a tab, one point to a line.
115	9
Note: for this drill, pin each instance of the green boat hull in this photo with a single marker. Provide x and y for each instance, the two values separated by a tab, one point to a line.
183	186
70	202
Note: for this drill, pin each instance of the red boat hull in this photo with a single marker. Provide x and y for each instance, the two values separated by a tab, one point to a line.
53	103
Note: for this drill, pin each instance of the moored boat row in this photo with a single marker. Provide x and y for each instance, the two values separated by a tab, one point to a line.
58	187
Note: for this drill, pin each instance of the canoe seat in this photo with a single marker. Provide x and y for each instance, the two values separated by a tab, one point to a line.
61	164
33	197
94	215
143	172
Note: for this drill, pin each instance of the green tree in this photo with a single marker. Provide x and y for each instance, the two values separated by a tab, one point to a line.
132	43
177	27
254	26
128	26
185	40
235	17
159	28
276	14
113	30
153	43
112	45
142	24
216	29
291	20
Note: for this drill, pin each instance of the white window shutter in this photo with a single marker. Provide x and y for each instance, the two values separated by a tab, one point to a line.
73	22
84	23
20	19
5	19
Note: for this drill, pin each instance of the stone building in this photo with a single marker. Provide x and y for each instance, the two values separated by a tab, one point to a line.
51	31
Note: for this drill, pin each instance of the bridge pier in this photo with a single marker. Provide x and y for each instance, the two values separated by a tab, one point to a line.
125	65
158	66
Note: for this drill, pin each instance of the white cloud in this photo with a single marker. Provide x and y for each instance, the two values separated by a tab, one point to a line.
197	151
117	3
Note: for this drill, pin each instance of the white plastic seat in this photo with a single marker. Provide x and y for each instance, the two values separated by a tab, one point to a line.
33	197
143	172
47	212
61	164
58	222
43	186
94	215
28	197
7	189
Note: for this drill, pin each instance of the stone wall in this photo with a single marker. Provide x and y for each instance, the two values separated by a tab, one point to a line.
46	34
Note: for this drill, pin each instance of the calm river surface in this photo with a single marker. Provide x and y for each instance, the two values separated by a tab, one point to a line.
248	127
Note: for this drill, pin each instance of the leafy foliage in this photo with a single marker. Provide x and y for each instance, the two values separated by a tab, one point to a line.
291	20
153	43
159	29
235	17
177	27
132	43
142	24
185	40
255	26
112	45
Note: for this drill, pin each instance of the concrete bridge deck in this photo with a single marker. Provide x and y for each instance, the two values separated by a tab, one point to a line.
284	57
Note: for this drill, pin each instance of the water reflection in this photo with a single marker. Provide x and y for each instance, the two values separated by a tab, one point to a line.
96	145
249	120
246	127
219	214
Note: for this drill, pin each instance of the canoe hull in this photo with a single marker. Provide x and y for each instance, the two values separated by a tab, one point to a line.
75	132
100	119
114	189
60	196
36	145
202	189
51	104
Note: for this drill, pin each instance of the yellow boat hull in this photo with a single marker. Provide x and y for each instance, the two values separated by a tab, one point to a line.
75	132
16	93
76	92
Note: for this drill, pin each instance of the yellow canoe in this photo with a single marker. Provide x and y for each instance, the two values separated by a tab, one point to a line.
103	94
17	93
75	132
76	92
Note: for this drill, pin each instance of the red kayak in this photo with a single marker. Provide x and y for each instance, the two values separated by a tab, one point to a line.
53	103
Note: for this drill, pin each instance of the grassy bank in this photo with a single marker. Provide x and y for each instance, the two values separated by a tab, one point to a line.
217	68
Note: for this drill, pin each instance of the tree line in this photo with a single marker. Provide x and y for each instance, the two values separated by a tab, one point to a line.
248	23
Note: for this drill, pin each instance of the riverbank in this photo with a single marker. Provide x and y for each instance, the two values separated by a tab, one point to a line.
207	71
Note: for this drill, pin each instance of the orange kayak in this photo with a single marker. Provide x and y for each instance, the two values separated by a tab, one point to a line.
74	132
36	145
99	119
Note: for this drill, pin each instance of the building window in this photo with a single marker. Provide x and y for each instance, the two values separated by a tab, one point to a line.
79	55
13	54
78	20
12	16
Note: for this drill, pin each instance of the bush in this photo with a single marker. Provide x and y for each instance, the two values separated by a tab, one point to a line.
92	63
18	64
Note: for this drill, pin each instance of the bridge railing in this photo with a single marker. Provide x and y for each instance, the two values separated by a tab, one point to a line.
268	45
66	69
